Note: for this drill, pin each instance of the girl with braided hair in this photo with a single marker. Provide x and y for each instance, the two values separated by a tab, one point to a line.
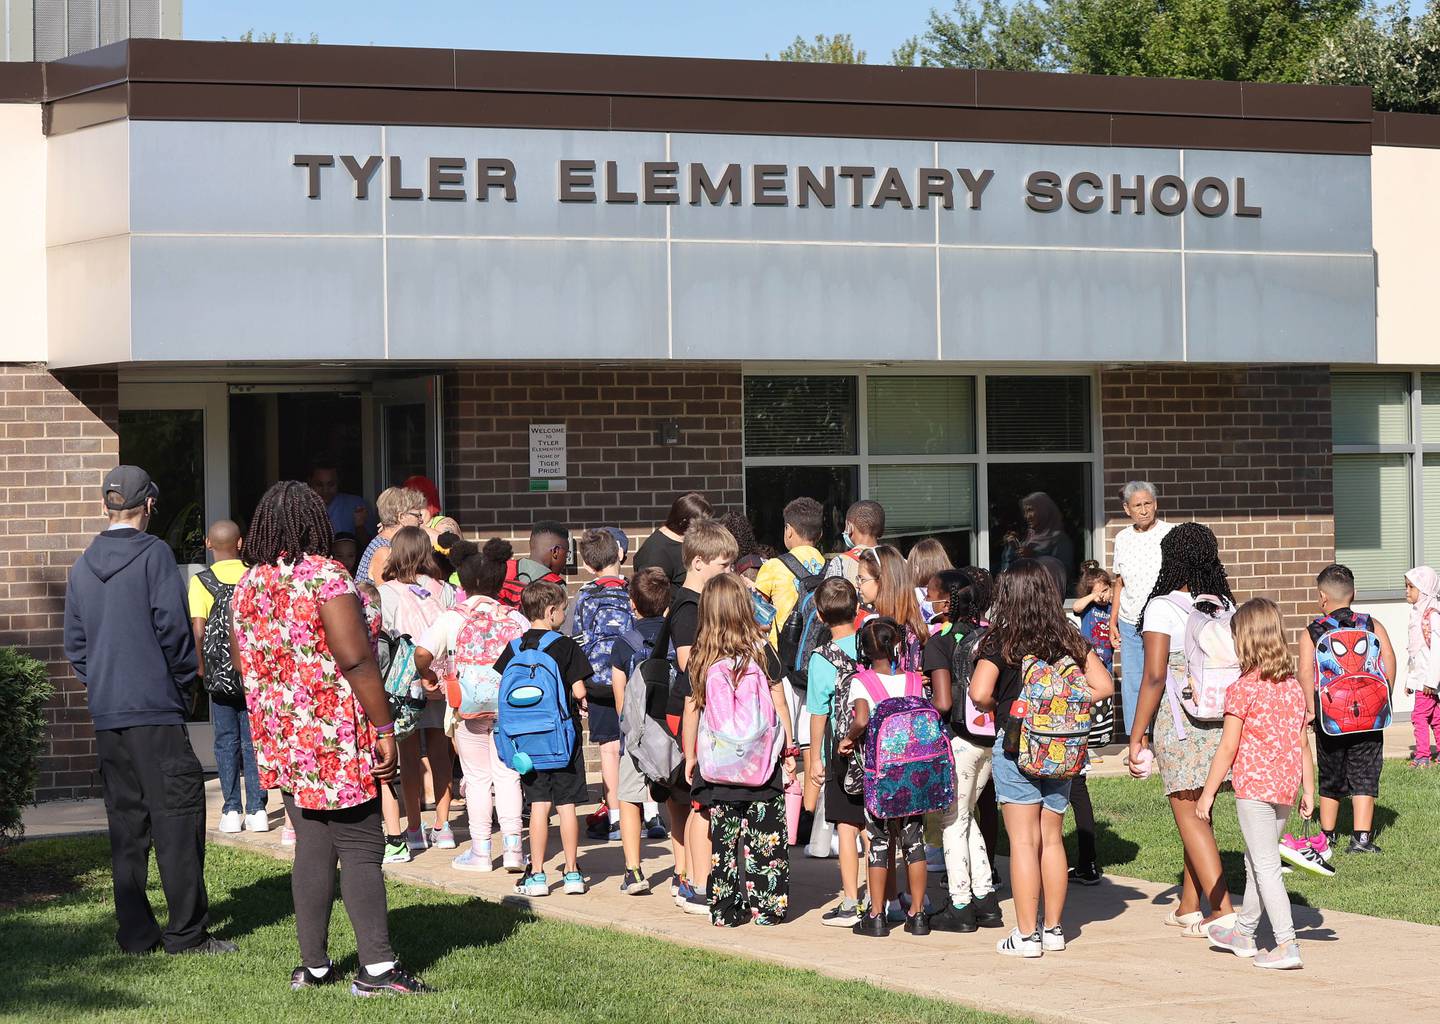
1191	578
322	729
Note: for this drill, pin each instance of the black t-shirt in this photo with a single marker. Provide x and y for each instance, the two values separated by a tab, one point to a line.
709	793
573	664
662	552
684	624
940	654
1007	688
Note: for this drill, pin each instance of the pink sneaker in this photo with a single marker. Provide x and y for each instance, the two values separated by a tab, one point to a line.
1231	940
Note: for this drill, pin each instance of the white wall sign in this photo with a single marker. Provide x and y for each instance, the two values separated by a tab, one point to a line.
547	456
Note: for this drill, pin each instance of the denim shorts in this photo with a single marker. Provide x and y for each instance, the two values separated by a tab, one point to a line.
1012	786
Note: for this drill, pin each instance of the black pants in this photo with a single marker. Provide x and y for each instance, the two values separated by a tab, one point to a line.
155	794
355	838
1084	820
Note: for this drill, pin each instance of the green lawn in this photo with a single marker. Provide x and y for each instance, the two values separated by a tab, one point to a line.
487	961
1137	837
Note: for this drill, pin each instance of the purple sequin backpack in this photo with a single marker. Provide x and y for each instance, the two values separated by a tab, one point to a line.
908	766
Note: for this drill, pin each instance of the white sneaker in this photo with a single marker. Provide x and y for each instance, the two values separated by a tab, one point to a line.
1052	940
231	821
1015	944
257	822
477	858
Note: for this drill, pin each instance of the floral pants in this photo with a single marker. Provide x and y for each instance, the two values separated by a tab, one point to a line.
750	868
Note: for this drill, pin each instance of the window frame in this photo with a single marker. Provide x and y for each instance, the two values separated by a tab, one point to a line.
1414	450
981	459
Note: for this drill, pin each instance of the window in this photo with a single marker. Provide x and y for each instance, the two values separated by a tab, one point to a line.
1386	429
916	444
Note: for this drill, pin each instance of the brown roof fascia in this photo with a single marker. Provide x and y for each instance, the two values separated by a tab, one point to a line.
1397	129
21	82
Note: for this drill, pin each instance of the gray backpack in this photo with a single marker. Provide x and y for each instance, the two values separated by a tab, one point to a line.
642	719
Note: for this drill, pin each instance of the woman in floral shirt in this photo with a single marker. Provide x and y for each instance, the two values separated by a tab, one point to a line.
321	727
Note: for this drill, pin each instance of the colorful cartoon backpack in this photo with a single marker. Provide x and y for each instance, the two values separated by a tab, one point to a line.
1350	683
1210	665
472	687
1053	711
908	766
740	733
602	616
534	719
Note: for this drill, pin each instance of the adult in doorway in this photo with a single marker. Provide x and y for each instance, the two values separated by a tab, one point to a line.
128	637
436	523
1135	565
322	729
1045	536
348	513
662	549
398	507
1191	579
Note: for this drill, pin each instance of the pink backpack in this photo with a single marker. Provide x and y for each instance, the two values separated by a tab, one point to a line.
740	734
473	686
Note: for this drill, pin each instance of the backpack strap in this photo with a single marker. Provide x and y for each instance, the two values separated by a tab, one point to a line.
545	641
914	684
871	682
796	567
210	582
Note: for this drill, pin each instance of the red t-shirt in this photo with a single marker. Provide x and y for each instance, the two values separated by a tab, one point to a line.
1267	765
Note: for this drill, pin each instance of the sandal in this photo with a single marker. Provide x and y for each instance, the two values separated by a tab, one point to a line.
1201	929
1178	920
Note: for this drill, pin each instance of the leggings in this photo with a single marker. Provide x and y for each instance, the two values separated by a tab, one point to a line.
353	836
1084	820
1262	824
489	784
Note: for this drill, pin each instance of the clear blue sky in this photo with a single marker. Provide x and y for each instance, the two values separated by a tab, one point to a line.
740	28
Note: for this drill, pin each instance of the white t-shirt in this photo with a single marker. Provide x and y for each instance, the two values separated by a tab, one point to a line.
894	687
1164	615
1137	560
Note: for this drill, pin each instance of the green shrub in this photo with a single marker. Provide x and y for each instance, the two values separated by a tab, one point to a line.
24	689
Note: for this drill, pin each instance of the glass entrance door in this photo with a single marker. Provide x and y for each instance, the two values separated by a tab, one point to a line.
407	427
178	434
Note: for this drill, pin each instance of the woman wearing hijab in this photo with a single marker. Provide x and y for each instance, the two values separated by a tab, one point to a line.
1422	677
1045	536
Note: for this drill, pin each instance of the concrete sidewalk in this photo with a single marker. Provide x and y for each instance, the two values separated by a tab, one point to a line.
1123	965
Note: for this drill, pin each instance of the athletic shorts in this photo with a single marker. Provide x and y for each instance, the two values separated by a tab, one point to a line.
558	786
604	723
841	808
1350	765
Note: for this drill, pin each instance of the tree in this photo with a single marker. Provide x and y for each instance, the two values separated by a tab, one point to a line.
836	49
1396	55
251	36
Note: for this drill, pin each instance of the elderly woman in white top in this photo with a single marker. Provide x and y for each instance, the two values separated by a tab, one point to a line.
1135	566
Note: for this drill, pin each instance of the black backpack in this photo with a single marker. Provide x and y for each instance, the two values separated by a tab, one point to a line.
802	620
962	667
222	678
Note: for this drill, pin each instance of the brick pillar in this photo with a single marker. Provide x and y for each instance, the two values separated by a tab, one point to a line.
1245	450
57	440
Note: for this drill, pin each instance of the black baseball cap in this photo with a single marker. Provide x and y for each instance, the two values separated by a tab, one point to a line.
133	485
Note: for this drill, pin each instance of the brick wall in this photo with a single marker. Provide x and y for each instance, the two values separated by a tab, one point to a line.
618	475
57	439
1244	450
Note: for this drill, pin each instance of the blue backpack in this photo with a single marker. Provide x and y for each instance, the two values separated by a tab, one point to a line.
602	616
534	717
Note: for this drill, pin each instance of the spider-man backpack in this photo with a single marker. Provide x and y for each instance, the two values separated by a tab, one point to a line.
1350	683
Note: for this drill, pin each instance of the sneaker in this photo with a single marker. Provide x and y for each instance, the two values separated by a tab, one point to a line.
934	859
1016	944
302	978
442	838
987	911
1281	958
1318	842
574	883
681	892
955	919
1232	940
1419	762
1087	874
1307	858
259	821
599	814
599	830
1361	842
477	858
209	946
287	836
396	852
533	883
634	883
231	822
843	915
655	829
897	910
872	926
1052	940
514	858
918	924
415	839
697	903
396	981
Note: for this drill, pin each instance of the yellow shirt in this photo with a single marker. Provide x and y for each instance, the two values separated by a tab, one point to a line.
227	571
777	584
